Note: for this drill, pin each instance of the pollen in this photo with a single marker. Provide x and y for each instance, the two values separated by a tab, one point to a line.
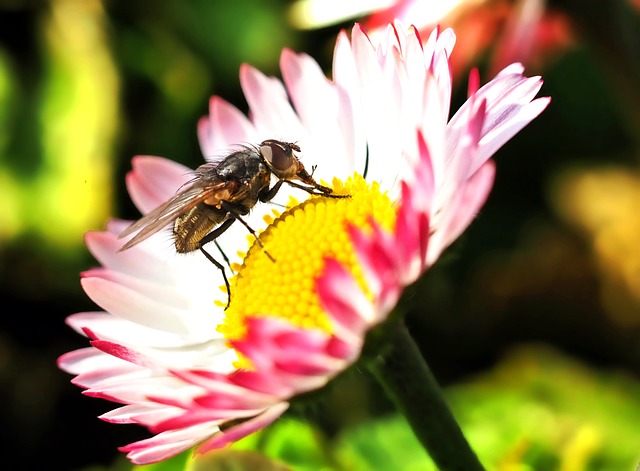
282	282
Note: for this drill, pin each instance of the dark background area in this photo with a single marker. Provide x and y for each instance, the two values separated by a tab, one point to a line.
553	257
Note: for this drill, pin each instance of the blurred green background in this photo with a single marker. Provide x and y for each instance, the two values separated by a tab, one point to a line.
546	281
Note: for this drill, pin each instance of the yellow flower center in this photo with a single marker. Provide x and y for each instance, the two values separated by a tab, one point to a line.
282	282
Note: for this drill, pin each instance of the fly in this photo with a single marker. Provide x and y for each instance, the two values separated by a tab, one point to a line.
221	193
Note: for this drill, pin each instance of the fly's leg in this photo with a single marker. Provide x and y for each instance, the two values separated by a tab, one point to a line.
212	236
231	209
224	255
268	196
316	189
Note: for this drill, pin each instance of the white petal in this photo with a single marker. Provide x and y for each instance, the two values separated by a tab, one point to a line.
271	111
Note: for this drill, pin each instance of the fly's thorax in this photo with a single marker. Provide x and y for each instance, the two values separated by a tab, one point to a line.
247	191
241	165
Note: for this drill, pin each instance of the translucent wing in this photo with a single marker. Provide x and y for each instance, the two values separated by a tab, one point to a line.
166	213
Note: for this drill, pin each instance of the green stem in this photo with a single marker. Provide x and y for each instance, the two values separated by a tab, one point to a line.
408	381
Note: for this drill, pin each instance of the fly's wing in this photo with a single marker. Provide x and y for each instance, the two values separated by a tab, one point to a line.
166	213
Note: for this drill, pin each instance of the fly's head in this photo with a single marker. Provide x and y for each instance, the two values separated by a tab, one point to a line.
285	165
280	159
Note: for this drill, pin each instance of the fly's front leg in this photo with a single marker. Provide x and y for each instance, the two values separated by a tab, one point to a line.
268	196
316	189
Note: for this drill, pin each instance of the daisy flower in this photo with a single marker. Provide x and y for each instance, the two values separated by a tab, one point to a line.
199	375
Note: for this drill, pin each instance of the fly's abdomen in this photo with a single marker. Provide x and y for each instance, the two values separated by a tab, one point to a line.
191	227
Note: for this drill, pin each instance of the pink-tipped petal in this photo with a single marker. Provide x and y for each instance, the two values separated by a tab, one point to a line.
243	429
167	444
462	210
343	299
153	180
225	128
269	104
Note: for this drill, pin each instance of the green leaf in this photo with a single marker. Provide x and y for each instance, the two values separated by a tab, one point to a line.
177	463
236	460
296	443
384	444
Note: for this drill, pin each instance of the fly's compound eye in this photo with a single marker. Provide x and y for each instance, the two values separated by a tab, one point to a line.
279	156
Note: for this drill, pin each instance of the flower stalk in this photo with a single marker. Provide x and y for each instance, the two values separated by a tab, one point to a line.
405	376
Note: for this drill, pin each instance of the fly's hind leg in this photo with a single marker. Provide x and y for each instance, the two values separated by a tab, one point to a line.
224	255
212	236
